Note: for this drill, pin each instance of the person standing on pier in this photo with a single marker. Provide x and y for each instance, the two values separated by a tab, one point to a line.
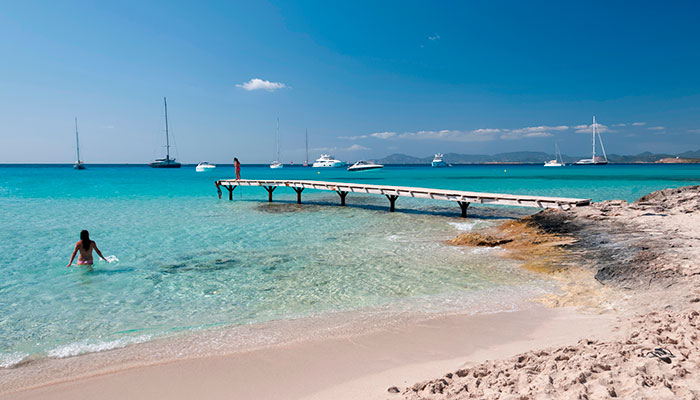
237	164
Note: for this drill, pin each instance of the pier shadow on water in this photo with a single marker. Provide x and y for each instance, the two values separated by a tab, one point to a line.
474	212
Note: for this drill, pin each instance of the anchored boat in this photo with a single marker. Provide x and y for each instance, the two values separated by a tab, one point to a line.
558	161
78	164
365	166
204	167
277	164
438	161
327	161
595	160
166	162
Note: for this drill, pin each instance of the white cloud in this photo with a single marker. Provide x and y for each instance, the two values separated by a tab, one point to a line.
260	84
377	135
356	147
353	137
434	37
620	125
656	128
587	128
383	135
638	123
532	129
694	130
486	130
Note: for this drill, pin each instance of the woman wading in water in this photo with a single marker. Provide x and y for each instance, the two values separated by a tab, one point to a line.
85	246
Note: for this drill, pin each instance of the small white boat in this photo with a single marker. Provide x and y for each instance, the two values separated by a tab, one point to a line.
365	166
204	166
438	161
277	164
558	161
595	160
327	161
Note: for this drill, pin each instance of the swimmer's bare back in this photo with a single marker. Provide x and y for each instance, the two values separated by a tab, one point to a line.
85	257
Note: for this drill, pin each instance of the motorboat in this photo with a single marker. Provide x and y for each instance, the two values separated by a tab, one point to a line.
327	161
558	161
276	164
166	162
595	160
365	166
204	167
438	161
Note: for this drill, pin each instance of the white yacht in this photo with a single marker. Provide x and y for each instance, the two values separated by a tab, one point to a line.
204	167
327	161
595	160
438	161
558	161
365	166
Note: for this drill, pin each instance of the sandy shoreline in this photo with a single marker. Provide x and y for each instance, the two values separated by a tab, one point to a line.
360	365
630	269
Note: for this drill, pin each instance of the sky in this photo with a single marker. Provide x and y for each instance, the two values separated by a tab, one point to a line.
366	78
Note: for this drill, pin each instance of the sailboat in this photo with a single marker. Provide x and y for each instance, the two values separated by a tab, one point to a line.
558	161
166	162
595	160
277	164
78	164
306	160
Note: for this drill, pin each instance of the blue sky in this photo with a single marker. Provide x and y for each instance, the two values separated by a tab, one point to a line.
366	78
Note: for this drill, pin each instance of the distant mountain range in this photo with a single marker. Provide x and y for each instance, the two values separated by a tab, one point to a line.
532	157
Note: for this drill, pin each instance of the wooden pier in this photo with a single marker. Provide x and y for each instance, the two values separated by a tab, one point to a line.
392	193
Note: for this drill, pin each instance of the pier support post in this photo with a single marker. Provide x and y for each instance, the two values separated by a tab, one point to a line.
230	191
392	199
463	205
342	197
298	190
218	189
270	189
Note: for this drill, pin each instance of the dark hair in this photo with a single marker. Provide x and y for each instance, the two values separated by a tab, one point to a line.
85	238
235	159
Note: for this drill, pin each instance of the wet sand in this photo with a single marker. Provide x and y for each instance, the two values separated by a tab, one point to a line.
360	366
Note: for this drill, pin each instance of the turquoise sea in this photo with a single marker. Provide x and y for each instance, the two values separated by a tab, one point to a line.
189	261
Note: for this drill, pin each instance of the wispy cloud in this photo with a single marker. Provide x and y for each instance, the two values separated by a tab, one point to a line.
694	130
260	84
638	123
434	37
377	135
476	135
383	135
656	128
619	125
587	128
357	147
450	135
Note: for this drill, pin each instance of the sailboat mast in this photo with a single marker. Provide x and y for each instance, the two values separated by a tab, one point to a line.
593	128
605	156
306	162
278	139
77	143
167	140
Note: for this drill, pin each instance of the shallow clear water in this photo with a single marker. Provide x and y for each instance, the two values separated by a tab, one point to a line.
188	260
